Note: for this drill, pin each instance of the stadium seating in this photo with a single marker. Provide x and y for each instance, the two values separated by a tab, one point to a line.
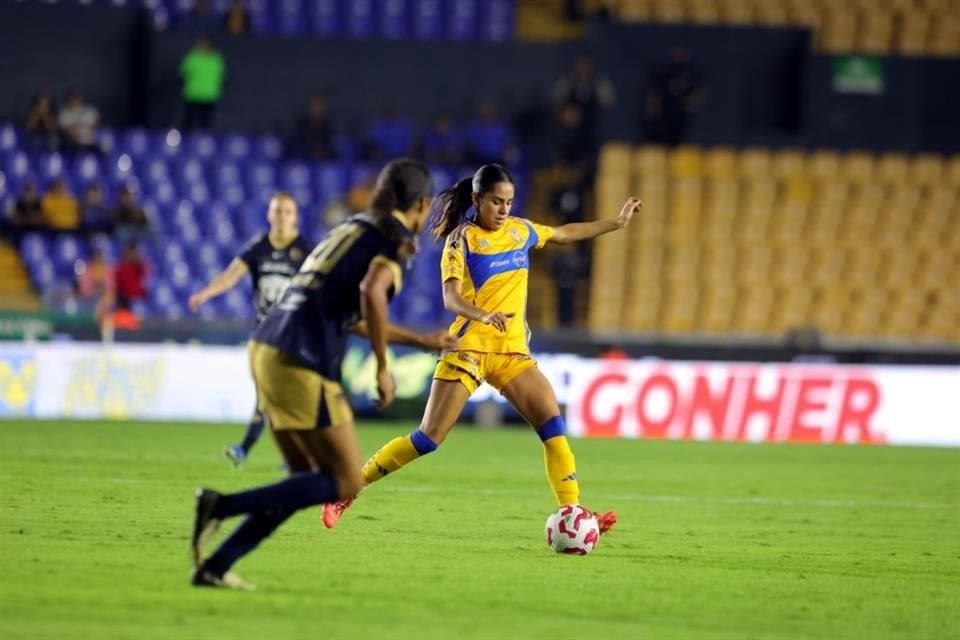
205	197
880	27
760	242
490	20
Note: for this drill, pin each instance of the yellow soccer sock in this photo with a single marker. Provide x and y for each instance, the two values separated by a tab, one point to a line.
559	461
395	454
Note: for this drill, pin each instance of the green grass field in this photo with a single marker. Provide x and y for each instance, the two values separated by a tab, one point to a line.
714	541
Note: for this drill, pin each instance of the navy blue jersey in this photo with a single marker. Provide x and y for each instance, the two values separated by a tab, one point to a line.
271	269
311	320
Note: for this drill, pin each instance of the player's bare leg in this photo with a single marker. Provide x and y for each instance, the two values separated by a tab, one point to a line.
444	406
532	396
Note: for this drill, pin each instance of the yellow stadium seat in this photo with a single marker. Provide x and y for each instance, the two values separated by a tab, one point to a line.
771	13
686	162
804	12
893	168
616	158
858	167
824	165
788	163
736	11
703	11
754	163
875	31
838	32
720	162
952	170
912	36
650	160
634	10
926	169
668	11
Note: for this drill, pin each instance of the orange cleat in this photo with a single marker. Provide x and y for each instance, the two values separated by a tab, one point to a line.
333	510
605	520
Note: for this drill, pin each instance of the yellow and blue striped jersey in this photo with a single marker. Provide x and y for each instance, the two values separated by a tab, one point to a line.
494	269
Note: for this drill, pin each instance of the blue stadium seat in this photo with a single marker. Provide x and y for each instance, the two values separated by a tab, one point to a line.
9	138
201	145
67	249
260	17
233	194
120	169
290	17
34	247
427	19
163	192
295	175
87	168
330	180
135	143
160	17
325	18
169	143
238	147
18	169
462	19
227	173
442	178
191	171
156	170
199	194
260	175
106	140
50	166
270	147
394	19
358	19
497	23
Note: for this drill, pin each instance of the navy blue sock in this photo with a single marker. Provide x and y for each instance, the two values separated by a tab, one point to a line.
254	430
244	539
296	492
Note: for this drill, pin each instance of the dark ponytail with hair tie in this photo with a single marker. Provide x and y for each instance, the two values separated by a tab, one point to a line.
454	203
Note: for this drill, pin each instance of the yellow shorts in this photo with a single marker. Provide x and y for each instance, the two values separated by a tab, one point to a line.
472	368
290	396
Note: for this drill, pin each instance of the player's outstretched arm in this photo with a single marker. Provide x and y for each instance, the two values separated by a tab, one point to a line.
454	301
576	231
223	282
374	296
436	341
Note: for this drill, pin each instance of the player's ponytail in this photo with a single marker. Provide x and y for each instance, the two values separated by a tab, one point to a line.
399	186
455	202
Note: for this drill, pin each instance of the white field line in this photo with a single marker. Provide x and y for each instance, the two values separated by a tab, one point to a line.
636	497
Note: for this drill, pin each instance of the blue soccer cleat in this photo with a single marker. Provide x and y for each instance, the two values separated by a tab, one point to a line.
235	454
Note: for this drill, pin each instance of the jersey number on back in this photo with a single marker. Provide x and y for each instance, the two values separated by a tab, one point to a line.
326	255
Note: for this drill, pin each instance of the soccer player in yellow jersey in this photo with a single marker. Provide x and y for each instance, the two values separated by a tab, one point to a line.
484	271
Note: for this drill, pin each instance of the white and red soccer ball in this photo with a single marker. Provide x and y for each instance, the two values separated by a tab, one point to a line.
572	529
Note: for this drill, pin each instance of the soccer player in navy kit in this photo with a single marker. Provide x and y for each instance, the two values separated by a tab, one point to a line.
343	286
271	259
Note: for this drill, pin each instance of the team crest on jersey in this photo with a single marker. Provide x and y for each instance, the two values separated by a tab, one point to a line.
296	254
483	244
515	235
519	259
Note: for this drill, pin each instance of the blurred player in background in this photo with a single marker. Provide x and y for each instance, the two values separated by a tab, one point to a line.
271	259
295	354
484	269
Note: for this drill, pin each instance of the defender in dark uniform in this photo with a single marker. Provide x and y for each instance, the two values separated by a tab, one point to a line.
295	354
271	259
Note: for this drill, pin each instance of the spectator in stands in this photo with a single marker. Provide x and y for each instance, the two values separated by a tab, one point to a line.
78	123
315	132
41	125
60	208
202	70
584	89
28	213
96	217
674	95
442	143
237	19
130	277
390	135
128	218
573	143
487	137
569	266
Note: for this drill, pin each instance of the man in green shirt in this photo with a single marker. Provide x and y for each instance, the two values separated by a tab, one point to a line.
202	70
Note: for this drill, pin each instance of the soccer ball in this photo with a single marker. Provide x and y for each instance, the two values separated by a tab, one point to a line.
572	529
